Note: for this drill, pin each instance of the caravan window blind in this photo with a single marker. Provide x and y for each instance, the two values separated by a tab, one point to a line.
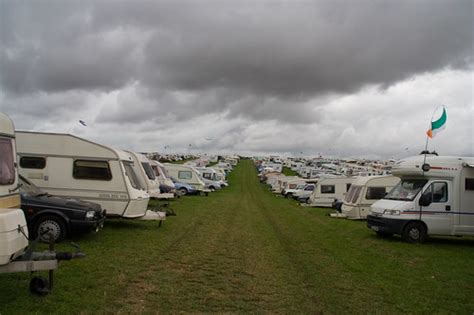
93	170
328	189
7	167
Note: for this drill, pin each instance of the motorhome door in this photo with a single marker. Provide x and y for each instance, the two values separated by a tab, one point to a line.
439	215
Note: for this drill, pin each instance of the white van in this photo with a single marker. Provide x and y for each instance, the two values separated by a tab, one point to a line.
186	174
330	190
363	193
434	197
12	241
66	165
147	176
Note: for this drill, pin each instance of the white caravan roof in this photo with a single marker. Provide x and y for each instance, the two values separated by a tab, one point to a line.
6	126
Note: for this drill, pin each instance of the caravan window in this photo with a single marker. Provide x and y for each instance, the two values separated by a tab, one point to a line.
32	162
94	170
328	189
469	183
7	166
148	171
132	176
348	186
375	193
185	175
355	195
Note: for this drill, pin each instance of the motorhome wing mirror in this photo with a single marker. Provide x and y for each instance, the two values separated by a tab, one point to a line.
425	199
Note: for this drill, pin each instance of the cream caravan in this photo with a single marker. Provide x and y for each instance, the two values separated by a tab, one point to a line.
147	176
330	190
364	192
435	197
186	174
12	218
70	166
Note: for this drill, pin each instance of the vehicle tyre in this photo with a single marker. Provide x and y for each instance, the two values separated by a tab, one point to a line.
183	191
212	188
55	225
289	195
414	232
384	234
39	286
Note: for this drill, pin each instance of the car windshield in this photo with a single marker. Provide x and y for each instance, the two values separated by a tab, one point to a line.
30	189
406	190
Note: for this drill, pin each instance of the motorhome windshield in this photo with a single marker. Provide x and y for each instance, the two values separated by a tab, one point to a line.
7	166
131	174
148	171
406	190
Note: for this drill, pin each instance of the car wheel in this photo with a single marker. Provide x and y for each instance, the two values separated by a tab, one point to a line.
183	191
50	225
212	188
414	232
289	195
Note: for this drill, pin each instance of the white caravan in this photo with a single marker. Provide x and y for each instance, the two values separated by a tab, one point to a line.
66	165
434	197
146	176
161	173
292	186
330	190
186	174
363	193
12	241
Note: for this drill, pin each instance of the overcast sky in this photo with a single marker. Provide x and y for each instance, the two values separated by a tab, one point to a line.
338	78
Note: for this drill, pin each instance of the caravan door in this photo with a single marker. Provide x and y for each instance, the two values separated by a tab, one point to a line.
439	215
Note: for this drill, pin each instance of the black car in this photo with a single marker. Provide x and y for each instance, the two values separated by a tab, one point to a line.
59	216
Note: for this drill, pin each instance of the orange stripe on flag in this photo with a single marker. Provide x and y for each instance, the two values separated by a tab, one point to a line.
429	133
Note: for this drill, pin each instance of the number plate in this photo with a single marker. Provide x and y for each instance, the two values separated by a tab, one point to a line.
375	228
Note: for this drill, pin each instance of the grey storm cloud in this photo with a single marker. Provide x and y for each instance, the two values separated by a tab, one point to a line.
256	59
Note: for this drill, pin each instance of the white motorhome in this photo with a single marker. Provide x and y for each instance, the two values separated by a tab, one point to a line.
146	174
12	241
186	174
434	197
363	193
330	190
66	165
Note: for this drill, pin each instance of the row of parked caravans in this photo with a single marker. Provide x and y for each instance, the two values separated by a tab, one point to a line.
353	196
122	182
427	195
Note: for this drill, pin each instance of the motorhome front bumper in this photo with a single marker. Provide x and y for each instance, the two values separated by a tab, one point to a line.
386	225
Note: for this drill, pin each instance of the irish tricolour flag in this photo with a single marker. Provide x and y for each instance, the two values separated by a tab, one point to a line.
438	124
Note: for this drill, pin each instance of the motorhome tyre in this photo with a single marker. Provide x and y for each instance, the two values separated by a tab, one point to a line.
414	232
55	224
39	286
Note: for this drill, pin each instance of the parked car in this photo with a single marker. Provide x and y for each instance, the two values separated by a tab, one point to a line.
60	216
183	188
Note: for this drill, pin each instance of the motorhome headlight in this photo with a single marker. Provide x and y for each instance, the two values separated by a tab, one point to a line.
90	215
391	212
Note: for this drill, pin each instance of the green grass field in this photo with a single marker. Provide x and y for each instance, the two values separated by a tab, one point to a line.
244	249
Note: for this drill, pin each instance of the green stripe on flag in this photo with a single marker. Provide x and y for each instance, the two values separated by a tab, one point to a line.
440	122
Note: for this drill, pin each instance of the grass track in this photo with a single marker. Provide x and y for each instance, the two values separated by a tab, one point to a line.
244	249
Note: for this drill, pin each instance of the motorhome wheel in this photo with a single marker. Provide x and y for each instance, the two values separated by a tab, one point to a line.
39	286
50	225
414	232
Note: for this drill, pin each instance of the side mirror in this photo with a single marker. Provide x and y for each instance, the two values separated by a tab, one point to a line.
425	200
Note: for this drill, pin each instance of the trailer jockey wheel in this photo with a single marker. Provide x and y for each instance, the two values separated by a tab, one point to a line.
39	286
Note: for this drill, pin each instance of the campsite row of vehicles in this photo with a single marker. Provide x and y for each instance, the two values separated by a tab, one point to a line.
425	195
53	185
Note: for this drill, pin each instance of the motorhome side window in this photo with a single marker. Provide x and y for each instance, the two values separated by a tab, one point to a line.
440	192
92	170
32	162
185	175
375	193
7	166
469	183
328	189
